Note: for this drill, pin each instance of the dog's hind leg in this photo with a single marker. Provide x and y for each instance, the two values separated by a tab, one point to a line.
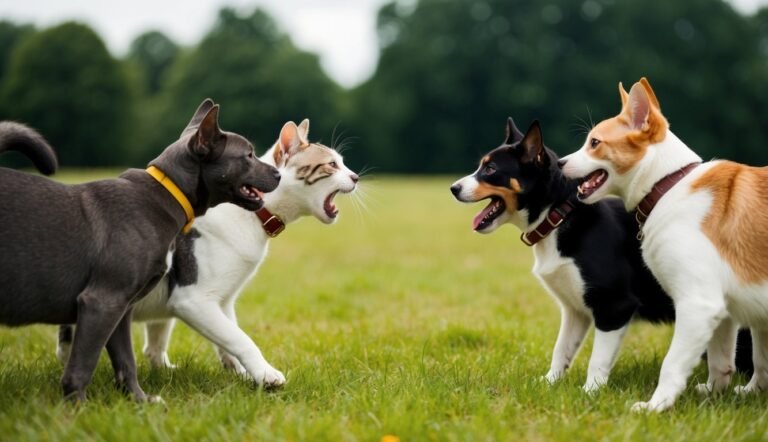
604	351
156	338
120	353
721	355
696	321
98	314
759	379
64	343
573	328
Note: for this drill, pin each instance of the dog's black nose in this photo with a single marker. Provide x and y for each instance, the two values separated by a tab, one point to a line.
456	189
561	163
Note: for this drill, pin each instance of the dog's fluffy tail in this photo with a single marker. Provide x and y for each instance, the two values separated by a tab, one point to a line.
18	137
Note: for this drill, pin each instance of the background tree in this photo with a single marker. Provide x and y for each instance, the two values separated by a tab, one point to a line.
450	72
63	82
262	80
152	53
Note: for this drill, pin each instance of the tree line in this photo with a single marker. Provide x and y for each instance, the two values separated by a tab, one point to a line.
449	74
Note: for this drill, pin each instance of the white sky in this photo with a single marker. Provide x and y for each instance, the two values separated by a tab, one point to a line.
341	31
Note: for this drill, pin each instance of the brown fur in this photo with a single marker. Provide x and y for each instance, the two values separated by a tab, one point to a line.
622	145
737	223
485	190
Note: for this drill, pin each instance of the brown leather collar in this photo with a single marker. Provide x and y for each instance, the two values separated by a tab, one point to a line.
643	210
272	224
554	218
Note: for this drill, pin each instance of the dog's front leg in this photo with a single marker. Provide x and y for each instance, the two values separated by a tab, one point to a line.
208	319
759	379
721	357
227	360
573	328
120	352
604	351
98	314
695	323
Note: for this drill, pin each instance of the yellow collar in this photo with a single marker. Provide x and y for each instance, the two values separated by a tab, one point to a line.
174	190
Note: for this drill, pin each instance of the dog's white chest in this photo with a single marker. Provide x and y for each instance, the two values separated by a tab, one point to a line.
558	274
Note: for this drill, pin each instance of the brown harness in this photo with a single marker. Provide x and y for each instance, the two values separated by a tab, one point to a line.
554	218
643	210
272	224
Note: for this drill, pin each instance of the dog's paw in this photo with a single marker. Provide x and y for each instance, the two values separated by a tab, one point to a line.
592	386
745	390
271	378
649	407
704	389
552	376
159	360
231	363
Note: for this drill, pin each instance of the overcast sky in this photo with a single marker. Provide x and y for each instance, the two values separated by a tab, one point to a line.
341	31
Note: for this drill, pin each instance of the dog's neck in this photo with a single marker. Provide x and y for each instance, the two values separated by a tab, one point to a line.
184	170
279	202
660	160
556	190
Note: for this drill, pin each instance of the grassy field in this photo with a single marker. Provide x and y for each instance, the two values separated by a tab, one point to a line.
398	320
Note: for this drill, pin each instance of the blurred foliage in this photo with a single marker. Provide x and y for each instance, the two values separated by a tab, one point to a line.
449	74
63	82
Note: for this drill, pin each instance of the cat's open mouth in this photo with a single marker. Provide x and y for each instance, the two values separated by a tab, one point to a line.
329	207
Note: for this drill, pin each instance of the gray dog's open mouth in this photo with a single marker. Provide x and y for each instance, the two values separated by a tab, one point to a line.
251	193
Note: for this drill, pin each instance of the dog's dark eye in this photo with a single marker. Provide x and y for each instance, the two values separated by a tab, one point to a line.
333	164
489	170
593	143
250	154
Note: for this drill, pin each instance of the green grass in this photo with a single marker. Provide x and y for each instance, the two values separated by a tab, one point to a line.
398	320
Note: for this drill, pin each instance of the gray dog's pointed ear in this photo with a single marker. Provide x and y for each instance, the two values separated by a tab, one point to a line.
200	113
207	140
532	146
513	133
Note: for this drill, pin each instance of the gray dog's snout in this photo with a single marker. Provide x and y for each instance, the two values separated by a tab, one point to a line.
456	189
277	175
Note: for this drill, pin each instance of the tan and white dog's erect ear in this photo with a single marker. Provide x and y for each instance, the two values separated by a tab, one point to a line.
304	131
624	95
642	112
649	90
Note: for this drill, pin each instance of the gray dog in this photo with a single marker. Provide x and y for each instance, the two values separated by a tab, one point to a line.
84	253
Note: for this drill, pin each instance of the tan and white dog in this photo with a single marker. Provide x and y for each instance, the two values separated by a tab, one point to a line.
706	239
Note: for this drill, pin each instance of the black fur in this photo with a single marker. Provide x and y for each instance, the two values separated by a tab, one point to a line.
84	253
601	238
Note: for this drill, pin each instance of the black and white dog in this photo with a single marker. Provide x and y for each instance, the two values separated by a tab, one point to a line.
84	253
586	256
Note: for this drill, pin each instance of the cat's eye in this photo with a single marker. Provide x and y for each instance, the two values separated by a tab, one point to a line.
489	170
594	142
333	164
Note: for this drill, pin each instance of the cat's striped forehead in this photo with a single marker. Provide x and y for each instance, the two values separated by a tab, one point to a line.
314	163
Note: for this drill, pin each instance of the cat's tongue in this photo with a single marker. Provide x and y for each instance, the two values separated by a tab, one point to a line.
481	216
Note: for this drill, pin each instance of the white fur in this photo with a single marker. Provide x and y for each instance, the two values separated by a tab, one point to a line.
229	251
562	279
710	301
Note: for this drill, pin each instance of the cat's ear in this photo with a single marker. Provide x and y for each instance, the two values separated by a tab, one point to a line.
304	131
288	143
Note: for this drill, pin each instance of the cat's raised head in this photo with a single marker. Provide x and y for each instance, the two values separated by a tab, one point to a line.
312	175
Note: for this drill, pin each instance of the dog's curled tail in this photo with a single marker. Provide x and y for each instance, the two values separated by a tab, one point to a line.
18	137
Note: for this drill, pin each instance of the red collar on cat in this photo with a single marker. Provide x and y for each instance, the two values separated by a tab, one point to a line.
272	224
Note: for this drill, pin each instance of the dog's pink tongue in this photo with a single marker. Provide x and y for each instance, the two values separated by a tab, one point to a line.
479	217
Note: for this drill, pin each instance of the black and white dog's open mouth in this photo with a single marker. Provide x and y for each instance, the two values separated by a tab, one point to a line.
591	183
486	216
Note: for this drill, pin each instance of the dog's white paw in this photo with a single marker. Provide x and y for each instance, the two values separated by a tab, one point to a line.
271	378
159	359
552	376
704	389
592	386
230	362
746	389
648	407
